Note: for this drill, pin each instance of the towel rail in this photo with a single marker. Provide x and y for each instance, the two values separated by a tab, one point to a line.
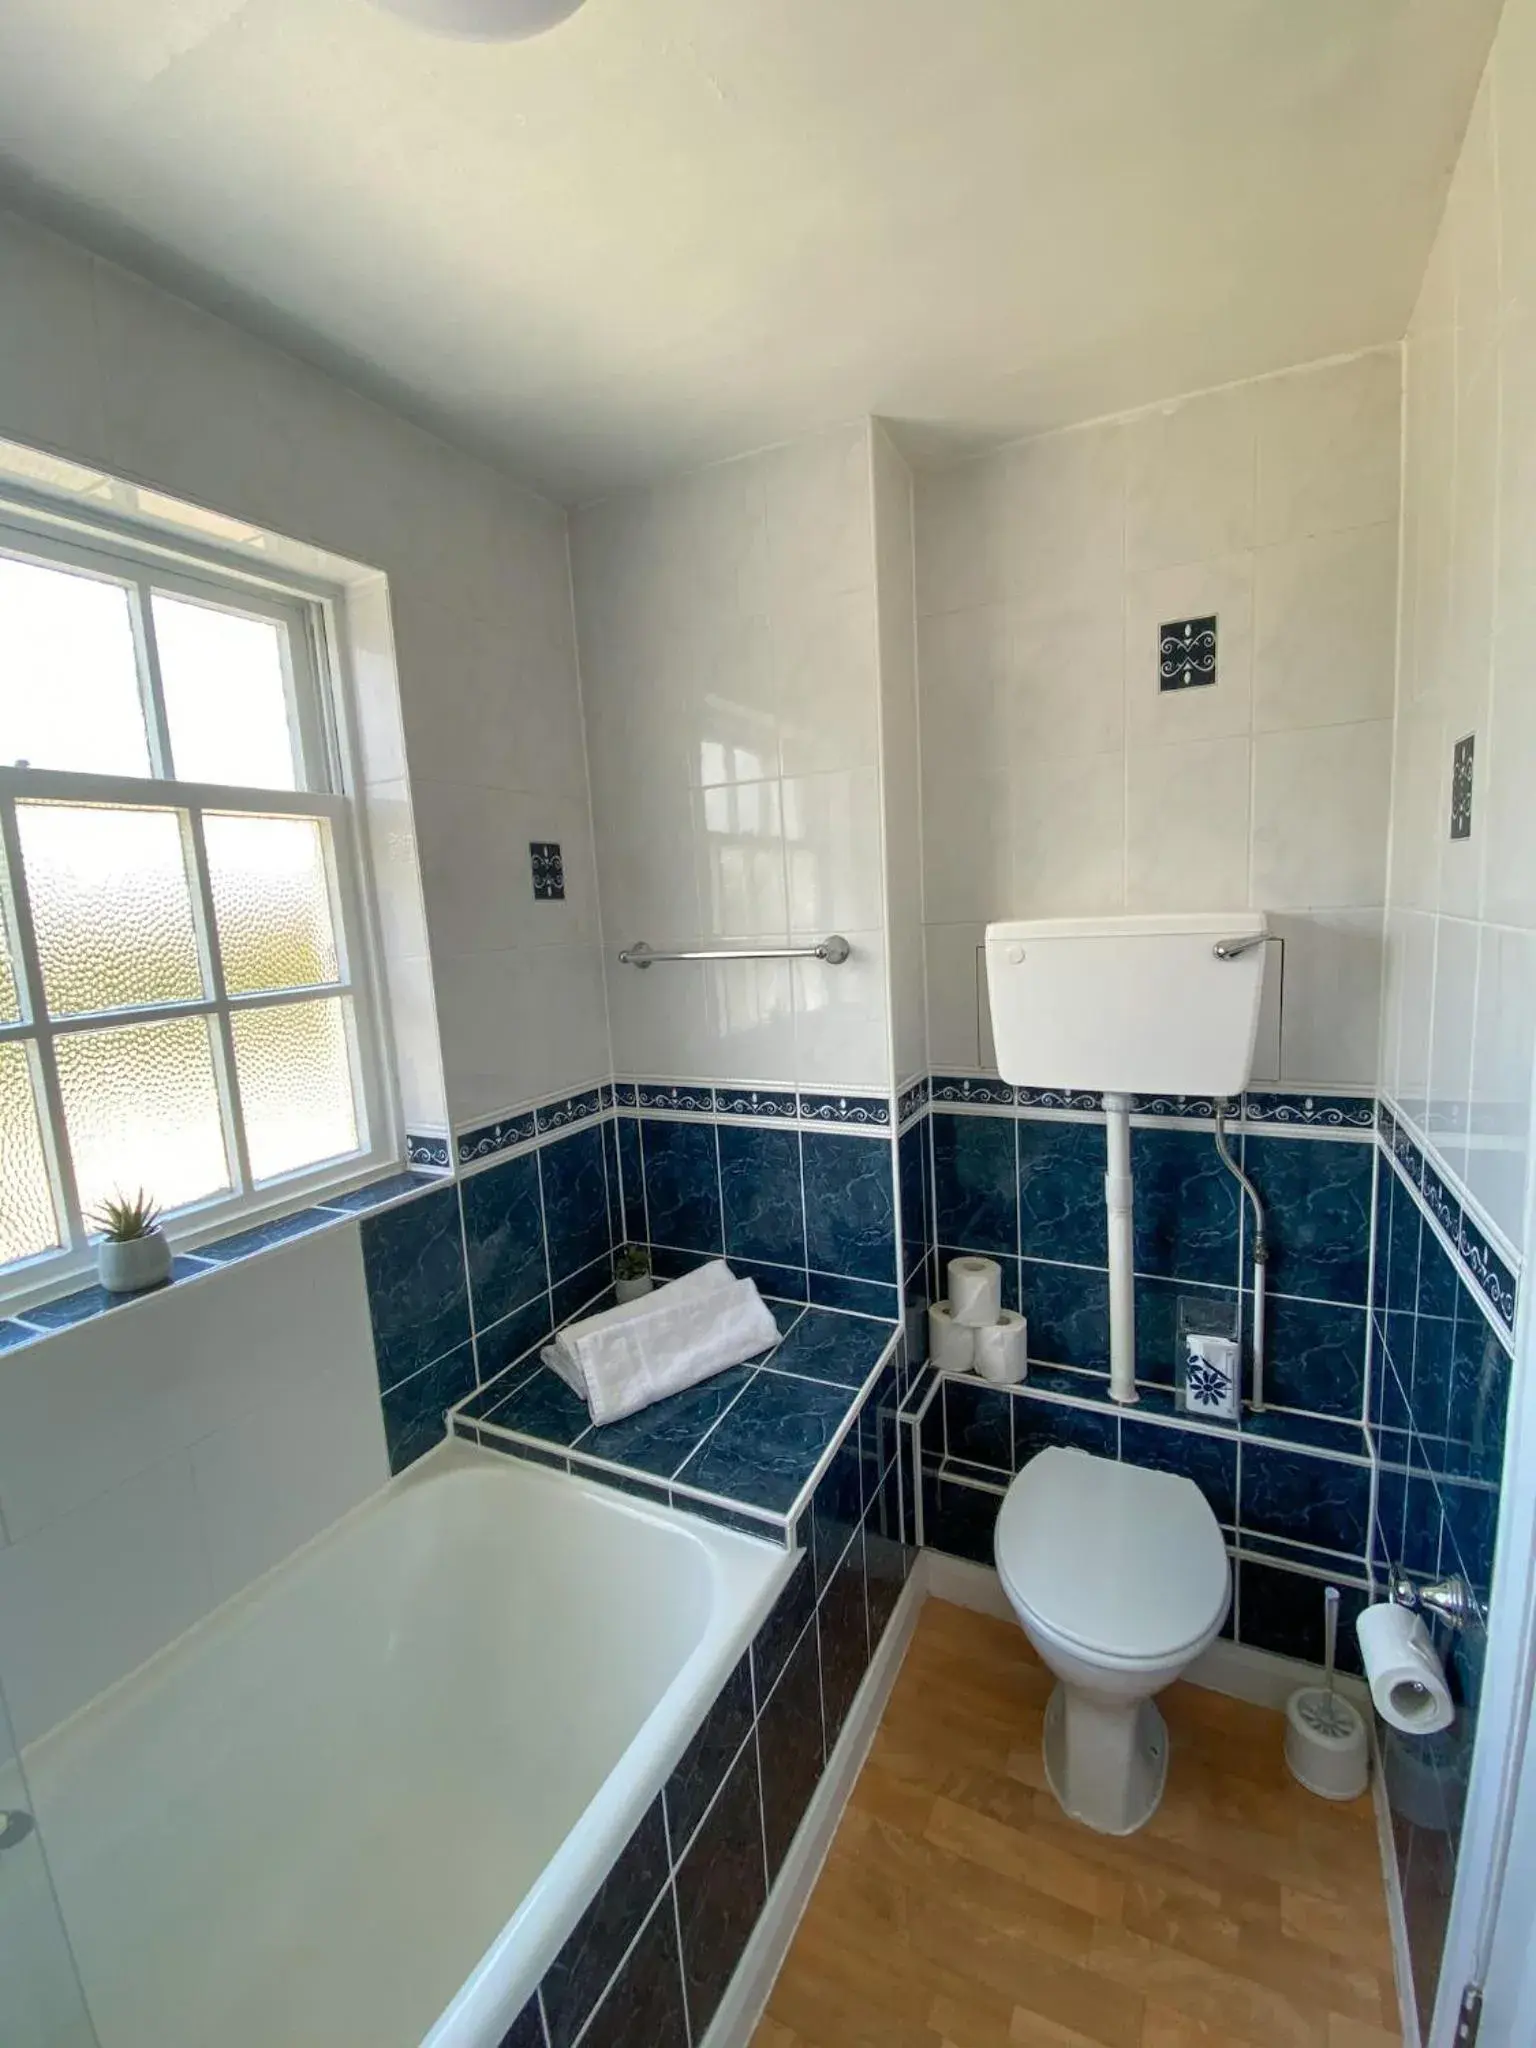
834	951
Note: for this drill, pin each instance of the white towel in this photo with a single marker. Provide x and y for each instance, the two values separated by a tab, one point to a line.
622	1362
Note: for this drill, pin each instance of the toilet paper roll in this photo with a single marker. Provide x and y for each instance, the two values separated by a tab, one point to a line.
1002	1353
975	1291
951	1346
1407	1684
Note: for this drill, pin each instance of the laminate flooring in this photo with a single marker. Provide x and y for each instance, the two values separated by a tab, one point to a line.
960	1908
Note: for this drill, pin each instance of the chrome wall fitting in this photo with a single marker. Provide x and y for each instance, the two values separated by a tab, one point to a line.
1452	1600
834	951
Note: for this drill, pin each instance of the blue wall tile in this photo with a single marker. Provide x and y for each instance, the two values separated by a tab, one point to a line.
1209	1460
527	2030
1157	1322
1314	1355
789	1739
777	1636
843	1349
721	1889
1479	1398
513	1337
1186	1207
858	1297
1061	1192
575	1188
1068	1312
574	1981
1310	1499
661	1438
850	1206
959	1519
975	1189
843	1622
837	1509
697	1776
1317	1200
887	1557
1283	1611
768	1445
414	1408
504	1238
413	1261
627	1132
912	1153
760	1182
978	1425
682	1185
1037	1424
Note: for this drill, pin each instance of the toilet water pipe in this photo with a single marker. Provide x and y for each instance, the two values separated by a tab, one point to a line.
1260	1253
1122	1286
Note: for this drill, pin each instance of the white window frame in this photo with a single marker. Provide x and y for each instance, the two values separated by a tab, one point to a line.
319	714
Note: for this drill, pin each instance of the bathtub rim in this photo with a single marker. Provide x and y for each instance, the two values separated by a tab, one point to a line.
509	1970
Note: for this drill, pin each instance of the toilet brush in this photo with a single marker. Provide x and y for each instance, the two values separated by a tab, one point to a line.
1325	1745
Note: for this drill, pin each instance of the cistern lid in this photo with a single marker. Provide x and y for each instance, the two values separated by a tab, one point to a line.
1120	1560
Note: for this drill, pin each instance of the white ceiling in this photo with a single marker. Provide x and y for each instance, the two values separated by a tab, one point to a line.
672	230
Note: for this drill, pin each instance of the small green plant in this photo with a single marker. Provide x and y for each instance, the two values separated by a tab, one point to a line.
123	1218
632	1263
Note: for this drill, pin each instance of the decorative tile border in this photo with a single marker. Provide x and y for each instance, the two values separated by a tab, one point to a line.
489	1139
912	1099
1087	1100
980	1089
521	1127
1314	1112
1485	1267
426	1148
568	1110
860	1111
780	1105
690	1098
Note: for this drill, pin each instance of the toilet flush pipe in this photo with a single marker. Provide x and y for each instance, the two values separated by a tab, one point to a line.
1122	1286
1260	1253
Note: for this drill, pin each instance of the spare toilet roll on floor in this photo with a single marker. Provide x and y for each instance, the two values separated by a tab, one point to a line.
951	1345
1002	1349
1406	1680
975	1291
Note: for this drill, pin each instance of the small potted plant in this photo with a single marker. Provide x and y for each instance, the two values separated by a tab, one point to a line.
632	1274
134	1252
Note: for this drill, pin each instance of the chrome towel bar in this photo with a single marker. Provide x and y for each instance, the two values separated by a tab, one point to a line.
834	951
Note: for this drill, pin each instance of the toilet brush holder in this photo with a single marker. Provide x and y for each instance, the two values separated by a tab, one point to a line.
1325	1741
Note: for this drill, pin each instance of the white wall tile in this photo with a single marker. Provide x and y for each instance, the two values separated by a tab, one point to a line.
658	1018
956	1039
748	1017
1067	836
739	856
1412	981
1158	717
961	516
1320	802
824	662
1187	827
1190	480
832	851
95	1593
1504	1039
1324	629
1331	988
1328	447
1508	820
1063	692
962	664
1448	1113
816	497
841	1025
1063	529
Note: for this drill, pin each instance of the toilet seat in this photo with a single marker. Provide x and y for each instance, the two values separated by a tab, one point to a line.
1122	1564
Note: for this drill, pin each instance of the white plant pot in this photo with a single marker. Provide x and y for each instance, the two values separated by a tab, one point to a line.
631	1290
135	1263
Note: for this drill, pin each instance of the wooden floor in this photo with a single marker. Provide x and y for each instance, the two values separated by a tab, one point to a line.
959	1905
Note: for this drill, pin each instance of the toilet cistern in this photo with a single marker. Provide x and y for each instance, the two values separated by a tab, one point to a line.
1121	1007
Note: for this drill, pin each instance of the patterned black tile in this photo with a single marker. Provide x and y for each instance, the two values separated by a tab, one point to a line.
574	1185
1317	1201
837	1508
1314	1355
414	1408
1307	1498
1283	1611
1207	1458
1037	1424
854	1297
682	1185
646	2001
768	1445
515	1337
975	1185
527	2030
978	1425
1061	1192
843	1621
850	1206
661	1438
840	1348
760	1185
1068	1312
959	1519
778	1635
504	1238
1186	1208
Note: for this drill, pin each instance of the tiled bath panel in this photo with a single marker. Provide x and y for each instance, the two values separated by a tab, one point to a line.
650	1959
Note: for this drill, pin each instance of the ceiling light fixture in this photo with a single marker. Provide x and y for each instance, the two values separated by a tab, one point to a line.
484	21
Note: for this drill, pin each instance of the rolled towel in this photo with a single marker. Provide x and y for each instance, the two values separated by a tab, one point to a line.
703	1280
688	1335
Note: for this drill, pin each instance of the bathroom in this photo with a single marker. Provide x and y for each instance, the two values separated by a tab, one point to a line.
787	546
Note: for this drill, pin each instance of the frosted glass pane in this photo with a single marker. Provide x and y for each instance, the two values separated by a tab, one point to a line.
226	696
111	906
69	678
10	1002
272	902
295	1084
27	1222
142	1108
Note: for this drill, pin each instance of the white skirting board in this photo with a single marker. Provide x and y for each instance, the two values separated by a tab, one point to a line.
747	1993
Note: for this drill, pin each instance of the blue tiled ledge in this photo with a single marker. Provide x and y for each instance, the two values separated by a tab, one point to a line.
47	1318
747	1446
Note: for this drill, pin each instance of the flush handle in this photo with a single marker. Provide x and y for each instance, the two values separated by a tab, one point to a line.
1232	949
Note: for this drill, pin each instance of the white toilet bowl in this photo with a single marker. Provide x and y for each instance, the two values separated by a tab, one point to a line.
1119	1577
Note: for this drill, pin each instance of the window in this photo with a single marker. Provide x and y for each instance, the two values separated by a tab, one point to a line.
180	1002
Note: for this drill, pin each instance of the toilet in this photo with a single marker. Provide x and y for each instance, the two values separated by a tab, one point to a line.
1119	1577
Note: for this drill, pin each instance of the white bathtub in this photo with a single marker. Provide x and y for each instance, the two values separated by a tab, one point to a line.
366	1801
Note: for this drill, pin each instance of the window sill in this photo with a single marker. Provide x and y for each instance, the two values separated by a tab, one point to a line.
82	1304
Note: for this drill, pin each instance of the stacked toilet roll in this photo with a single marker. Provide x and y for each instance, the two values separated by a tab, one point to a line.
972	1331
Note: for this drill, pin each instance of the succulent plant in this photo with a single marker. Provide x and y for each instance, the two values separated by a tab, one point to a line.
632	1263
122	1218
